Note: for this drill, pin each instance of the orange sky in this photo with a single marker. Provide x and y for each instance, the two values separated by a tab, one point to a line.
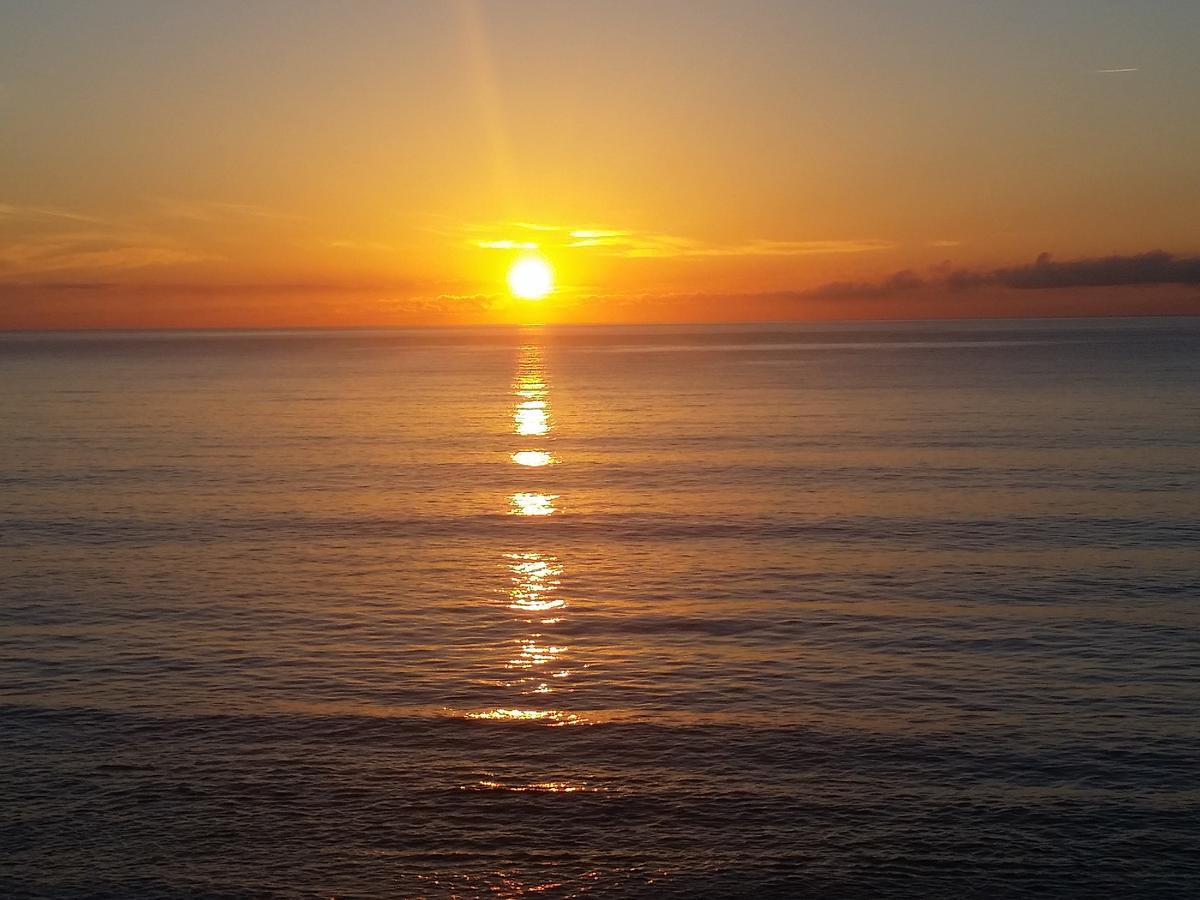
314	164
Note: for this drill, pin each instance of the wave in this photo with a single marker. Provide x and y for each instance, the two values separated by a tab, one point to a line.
947	534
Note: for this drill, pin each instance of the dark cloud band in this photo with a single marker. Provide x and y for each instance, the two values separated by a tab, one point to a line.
1153	268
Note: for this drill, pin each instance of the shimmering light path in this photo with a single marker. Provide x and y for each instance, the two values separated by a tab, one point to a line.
538	668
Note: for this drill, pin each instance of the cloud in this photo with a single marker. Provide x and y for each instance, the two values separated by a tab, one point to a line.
368	246
213	211
45	239
650	244
507	245
13	211
39	239
56	286
1113	71
216	287
89	252
897	283
787	248
450	302
1154	267
597	234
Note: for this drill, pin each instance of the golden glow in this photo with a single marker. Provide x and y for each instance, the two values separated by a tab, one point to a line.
532	458
530	278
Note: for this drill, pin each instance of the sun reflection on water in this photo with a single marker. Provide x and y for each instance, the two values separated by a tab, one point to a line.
535	653
550	787
532	458
538	663
526	503
546	716
535	578
531	418
531	415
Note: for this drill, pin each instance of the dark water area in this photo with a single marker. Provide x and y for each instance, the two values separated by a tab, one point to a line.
886	609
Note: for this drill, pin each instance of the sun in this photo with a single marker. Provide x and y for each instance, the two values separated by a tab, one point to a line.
530	278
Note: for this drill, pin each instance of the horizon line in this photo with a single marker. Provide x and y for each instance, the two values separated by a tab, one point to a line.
277	329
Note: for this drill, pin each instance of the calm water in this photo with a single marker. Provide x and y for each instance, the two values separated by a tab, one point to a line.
905	610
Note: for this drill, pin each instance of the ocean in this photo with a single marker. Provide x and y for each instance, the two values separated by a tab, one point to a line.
772	610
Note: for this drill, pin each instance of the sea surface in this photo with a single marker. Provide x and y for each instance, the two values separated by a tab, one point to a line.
874	610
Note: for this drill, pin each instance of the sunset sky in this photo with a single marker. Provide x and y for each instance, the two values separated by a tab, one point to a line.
231	164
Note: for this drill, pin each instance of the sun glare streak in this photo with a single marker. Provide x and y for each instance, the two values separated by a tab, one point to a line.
479	63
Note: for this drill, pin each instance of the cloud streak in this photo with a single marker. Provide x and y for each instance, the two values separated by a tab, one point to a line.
16	212
650	244
215	212
898	283
38	239
88	251
1156	267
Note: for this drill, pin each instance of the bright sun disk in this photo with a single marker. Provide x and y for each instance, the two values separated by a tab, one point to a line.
530	278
